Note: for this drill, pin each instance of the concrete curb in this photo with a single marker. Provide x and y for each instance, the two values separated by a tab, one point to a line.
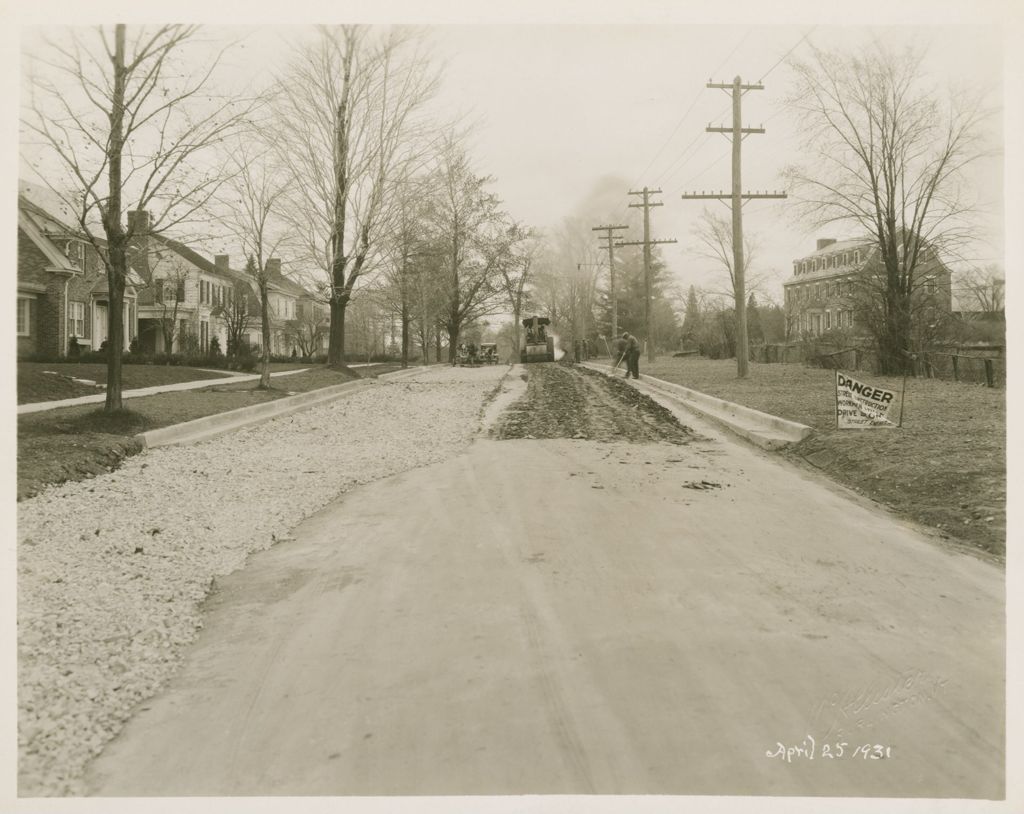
209	426
765	430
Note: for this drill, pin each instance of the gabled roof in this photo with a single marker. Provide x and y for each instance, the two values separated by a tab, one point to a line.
287	286
54	256
197	260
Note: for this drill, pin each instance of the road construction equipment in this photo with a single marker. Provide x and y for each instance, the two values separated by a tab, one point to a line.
539	345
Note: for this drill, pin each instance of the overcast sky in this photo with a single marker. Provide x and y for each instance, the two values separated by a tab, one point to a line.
560	110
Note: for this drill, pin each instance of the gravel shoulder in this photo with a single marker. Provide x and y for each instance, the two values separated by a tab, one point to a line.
113	571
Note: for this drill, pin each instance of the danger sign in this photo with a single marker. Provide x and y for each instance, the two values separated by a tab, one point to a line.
860	405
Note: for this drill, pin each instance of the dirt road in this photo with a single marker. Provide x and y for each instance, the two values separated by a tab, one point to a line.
572	615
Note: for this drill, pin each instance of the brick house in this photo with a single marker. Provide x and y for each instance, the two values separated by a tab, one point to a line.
62	285
822	294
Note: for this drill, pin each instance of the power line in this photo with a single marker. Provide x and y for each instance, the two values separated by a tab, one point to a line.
737	196
690	108
679	163
609	236
790	51
647	243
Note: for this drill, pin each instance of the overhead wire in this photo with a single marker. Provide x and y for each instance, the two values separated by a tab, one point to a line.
763	77
688	110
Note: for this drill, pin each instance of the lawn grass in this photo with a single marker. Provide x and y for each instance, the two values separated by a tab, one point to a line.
35	384
77	443
945	468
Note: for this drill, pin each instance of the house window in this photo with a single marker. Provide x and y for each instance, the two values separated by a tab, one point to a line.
204	335
158	291
828	320
76	319
179	293
24	316
856	257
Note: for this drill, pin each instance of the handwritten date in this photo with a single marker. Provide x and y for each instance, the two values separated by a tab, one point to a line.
808	749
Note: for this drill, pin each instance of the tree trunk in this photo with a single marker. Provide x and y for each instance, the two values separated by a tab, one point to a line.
117	262
516	328
437	344
265	320
406	319
115	335
453	342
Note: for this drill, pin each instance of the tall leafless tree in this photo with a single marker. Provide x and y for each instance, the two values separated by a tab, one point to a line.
252	214
516	273
471	242
886	155
350	118
127	124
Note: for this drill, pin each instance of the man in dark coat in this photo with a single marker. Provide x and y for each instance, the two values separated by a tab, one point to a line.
619	351
632	356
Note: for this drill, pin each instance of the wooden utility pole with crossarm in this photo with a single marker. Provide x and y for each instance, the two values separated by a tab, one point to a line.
737	196
610	237
647	243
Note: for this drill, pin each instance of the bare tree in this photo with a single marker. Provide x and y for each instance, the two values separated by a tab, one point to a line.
886	156
169	294
252	214
349	110
713	236
985	289
516	272
129	125
236	317
405	256
470	235
307	329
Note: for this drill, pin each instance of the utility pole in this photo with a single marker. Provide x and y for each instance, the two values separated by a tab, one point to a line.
610	237
737	88
647	243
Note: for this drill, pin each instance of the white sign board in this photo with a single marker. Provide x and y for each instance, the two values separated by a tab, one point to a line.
861	406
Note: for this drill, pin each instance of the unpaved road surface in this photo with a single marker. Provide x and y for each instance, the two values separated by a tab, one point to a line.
579	616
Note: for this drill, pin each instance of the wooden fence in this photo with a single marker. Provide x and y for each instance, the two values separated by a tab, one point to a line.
981	364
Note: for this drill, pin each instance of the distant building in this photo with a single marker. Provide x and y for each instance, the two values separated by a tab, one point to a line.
828	286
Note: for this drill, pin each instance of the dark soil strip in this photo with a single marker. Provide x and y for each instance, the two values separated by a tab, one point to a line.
565	401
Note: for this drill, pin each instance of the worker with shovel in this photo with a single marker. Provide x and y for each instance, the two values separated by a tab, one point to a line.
632	355
619	345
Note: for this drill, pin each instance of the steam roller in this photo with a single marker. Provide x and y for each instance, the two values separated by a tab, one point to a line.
538	345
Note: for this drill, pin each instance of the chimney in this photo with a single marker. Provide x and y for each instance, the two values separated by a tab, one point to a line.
274	267
139	222
220	262
824	241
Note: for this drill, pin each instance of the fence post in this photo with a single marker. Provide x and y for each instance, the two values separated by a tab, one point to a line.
956	368
990	376
928	372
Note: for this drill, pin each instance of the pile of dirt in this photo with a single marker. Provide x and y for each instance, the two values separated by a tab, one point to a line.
566	401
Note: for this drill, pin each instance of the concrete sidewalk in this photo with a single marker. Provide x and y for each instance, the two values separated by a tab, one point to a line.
99	398
765	430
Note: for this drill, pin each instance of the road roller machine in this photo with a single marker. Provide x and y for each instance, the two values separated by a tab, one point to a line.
538	344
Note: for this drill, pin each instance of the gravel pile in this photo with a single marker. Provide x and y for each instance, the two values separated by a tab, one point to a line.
112	571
